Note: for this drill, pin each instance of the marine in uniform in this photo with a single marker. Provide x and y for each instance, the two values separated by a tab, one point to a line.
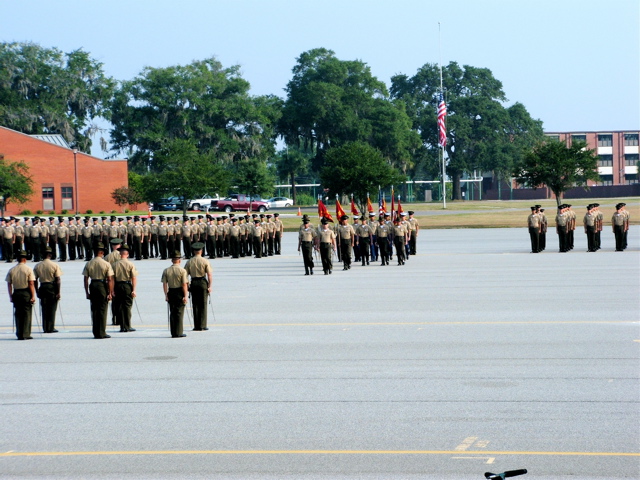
256	236
8	239
186	237
562	228
414	229
590	222
124	291
53	237
96	236
137	233
48	282
383	232
364	234
327	240
234	239
146	239
87	240
306	243
73	238
201	275
618	221
114	257
373	223
22	293
163	233
62	233
533	222
174	283
34	233
211	237
346	236
399	240
99	291
18	244
277	238
544	226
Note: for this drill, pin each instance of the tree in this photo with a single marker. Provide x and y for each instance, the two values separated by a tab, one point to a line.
253	178
481	133
202	102
43	90
290	162
126	196
357	168
185	173
558	166
331	102
16	185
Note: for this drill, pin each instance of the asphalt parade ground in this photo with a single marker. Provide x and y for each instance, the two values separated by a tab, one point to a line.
475	356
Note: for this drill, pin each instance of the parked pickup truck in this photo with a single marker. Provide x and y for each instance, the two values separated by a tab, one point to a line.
239	202
203	203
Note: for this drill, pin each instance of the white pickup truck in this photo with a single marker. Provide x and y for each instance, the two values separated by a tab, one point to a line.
203	203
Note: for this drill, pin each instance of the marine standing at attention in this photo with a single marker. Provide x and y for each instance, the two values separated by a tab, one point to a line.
327	240
201	274
22	293
47	274
174	283
124	291
100	291
306	243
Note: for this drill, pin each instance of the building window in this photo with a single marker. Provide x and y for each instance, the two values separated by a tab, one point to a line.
605	140
605	160
631	178
67	198
631	139
47	198
555	138
631	159
578	138
605	180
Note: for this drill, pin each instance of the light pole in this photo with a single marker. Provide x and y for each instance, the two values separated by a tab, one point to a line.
75	168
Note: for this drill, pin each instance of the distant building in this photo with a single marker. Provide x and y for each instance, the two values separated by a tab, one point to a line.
617	151
52	166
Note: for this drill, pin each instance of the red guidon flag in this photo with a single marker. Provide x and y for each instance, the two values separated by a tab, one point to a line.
339	210
369	206
354	210
323	212
400	211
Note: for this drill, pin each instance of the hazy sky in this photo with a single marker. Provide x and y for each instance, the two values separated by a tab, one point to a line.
574	64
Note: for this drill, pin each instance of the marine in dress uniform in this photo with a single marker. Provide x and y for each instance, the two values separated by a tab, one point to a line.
99	291
201	275
306	243
22	293
327	241
48	282
175	285
124	291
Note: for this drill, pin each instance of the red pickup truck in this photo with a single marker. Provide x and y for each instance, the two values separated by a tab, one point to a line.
237	202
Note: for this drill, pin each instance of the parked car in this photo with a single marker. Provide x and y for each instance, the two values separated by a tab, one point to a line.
165	204
239	202
279	202
203	203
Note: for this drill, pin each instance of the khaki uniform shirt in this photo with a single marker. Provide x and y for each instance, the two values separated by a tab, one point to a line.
618	219
63	231
590	220
47	271
307	234
364	230
114	231
345	231
113	257
124	270
8	232
327	236
137	231
382	230
20	276
234	231
34	232
533	221
174	276
86	231
197	267
98	269
257	231
73	231
399	230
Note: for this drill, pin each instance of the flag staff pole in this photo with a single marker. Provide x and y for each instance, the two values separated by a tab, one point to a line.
444	185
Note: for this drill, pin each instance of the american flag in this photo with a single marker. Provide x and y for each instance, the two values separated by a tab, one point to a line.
442	129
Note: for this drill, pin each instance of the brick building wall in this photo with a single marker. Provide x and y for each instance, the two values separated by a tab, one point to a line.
52	170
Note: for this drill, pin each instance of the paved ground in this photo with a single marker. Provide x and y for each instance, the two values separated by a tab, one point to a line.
475	356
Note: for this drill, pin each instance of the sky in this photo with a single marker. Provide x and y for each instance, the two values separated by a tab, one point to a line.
575	65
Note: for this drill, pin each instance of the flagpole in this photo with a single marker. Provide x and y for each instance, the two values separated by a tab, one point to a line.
444	185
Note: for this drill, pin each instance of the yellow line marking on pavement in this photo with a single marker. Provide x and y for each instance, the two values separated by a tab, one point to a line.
489	460
316	452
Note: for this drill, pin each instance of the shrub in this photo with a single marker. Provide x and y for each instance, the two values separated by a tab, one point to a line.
89	212
25	212
52	212
38	212
302	199
101	212
126	210
113	211
64	212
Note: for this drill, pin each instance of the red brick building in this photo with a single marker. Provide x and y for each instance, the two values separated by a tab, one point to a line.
62	179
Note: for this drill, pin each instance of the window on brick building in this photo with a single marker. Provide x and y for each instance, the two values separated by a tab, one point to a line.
554	137
631	159
631	178
578	138
631	139
67	198
605	180
605	160
47	198
605	140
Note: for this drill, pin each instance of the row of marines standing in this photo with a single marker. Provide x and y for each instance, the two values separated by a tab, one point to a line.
368	239
222	236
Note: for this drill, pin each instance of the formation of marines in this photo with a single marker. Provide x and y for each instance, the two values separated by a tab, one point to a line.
566	219
74	238
368	240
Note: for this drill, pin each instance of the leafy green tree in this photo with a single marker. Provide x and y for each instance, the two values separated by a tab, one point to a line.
202	102
331	102
126	196
481	133
254	178
16	185
43	90
186	173
357	168
290	162
558	166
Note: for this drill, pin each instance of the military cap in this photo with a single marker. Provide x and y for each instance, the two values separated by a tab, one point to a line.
86	220
343	217
234	219
94	219
201	216
184	217
77	218
537	206
262	215
120	219
247	217
128	218
411	212
21	254
197	246
254	215
100	246
113	218
362	217
176	218
115	241
268	215
103	218
542	209
623	204
568	205
276	214
192	218
48	250
153	217
161	217
70	218
224	217
176	254
51	218
386	215
533	208
256	221
136	218
402	214
124	246
324	221
231	215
